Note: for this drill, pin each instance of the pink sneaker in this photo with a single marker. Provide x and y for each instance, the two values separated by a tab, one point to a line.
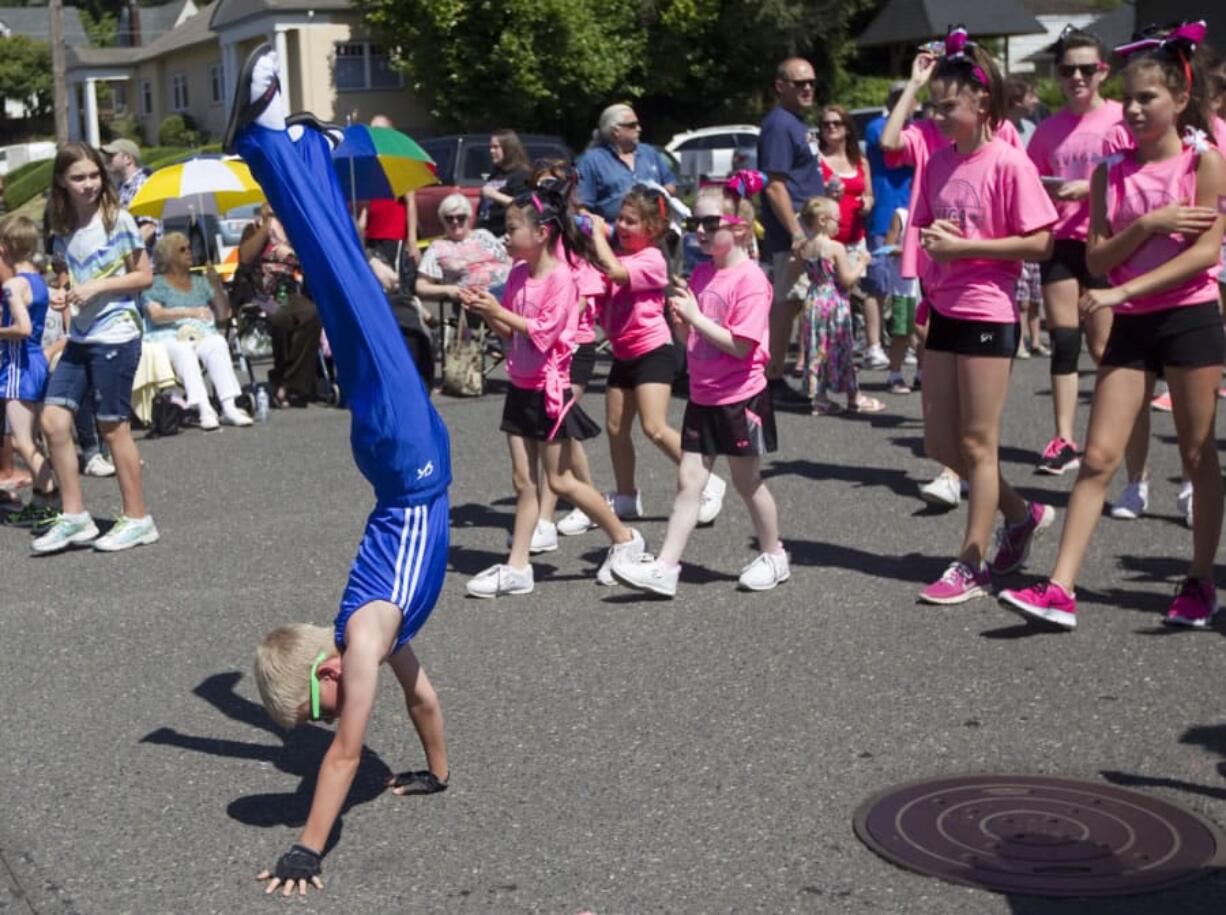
1059	455
1013	540
959	583
1162	402
1044	602
1195	604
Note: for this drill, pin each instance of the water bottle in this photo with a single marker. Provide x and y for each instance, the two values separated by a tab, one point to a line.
261	404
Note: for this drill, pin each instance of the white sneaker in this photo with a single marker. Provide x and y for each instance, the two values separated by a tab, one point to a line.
208	420
631	549
909	358
712	500
65	532
765	572
625	506
647	574
1132	502
875	358
945	491
235	417
1184	502
501	579
575	523
127	533
544	538
99	466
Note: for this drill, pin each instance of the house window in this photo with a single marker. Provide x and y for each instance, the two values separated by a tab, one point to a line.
178	91
146	97
364	65
119	97
217	84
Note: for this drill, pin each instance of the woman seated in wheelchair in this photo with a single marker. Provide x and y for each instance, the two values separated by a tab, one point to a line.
464	258
181	313
293	321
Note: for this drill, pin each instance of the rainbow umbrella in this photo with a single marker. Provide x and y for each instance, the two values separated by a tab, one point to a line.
380	163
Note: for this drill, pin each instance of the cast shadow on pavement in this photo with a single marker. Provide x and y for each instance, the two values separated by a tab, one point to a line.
480	514
1211	737
916	568
299	755
895	480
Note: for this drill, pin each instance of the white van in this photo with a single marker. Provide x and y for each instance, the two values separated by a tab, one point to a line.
17	155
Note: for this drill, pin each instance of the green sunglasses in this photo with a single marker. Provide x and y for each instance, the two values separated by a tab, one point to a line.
319	659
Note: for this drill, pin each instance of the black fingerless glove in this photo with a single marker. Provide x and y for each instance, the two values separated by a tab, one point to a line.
299	863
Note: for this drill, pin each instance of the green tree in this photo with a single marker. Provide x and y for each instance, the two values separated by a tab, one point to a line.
25	72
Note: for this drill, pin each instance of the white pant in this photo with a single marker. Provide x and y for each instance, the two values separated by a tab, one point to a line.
213	353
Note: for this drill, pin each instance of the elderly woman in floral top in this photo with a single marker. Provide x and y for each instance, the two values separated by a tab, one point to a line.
465	258
181	313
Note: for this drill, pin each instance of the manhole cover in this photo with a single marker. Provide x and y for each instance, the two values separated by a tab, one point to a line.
1039	836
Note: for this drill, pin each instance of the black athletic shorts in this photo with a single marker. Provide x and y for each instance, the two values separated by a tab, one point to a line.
971	338
1068	262
656	367
523	414
744	428
582	364
1187	336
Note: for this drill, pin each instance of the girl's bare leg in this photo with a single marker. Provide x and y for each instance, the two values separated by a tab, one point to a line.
57	429
118	438
1194	408
527	506
983	384
23	420
652	400
620	408
692	474
747	478
1060	301
564	483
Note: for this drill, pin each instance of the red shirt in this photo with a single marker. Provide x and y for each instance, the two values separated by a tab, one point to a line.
387	219
851	204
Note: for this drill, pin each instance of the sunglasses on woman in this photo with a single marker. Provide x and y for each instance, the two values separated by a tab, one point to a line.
830	125
455	220
710	224
1086	70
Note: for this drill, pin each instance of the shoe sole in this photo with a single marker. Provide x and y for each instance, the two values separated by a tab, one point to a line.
741	586
578	532
144	540
1119	513
1057	471
933	499
1055	619
637	586
79	539
511	593
970	594
1185	623
241	102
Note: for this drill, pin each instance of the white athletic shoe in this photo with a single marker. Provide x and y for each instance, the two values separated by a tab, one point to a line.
576	522
712	499
631	549
127	533
646	573
68	530
1132	502
875	358
208	420
944	491
544	538
499	580
99	466
235	417
765	572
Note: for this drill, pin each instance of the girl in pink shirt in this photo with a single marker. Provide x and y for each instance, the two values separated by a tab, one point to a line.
644	358
1065	148
981	212
538	318
724	314
1156	232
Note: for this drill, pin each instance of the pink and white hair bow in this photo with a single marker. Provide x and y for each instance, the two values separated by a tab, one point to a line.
956	44
1190	34
745	182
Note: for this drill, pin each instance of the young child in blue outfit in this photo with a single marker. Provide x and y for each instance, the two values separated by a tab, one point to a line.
399	444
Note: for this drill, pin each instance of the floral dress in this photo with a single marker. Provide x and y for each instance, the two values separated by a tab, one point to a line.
828	339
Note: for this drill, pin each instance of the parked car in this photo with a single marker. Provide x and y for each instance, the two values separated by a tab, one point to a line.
714	153
463	162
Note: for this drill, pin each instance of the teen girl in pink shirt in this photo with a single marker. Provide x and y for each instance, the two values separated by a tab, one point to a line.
1156	232
981	211
539	319
644	359
724	314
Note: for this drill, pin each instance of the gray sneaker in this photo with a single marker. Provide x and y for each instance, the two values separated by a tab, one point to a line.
127	533
66	532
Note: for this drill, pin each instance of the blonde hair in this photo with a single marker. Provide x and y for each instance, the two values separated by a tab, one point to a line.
166	246
730	205
454	204
816	209
283	669
21	238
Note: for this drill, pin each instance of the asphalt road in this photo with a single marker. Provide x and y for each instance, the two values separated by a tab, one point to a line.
609	753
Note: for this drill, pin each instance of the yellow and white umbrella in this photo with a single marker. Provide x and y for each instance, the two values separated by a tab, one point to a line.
195	187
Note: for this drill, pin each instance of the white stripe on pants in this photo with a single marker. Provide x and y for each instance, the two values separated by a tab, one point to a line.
213	353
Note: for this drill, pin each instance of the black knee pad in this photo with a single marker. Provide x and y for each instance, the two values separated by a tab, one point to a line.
1065	350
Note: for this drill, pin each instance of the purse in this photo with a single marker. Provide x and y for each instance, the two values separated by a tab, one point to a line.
464	362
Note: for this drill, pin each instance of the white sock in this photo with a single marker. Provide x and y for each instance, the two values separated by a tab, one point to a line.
273	117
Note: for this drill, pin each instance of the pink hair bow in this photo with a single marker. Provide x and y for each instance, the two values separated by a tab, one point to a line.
1189	33
745	182
956	44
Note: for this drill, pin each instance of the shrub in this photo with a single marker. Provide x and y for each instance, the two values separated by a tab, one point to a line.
852	90
178	130
126	127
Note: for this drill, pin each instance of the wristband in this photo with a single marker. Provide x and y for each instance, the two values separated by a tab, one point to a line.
299	863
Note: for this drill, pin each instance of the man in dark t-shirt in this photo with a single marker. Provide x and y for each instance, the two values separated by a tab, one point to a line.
787	153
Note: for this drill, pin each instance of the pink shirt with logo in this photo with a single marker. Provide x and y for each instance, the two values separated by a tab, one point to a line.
1070	146
739	299
920	139
591	285
1134	189
540	359
994	192
633	313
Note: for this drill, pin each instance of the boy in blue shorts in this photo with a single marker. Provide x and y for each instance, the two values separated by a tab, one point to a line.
399	444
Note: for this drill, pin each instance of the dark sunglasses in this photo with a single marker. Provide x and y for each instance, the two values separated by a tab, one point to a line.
455	220
1086	70
826	124
629	125
803	83
710	224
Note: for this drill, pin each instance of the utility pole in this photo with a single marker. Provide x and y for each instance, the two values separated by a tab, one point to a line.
58	71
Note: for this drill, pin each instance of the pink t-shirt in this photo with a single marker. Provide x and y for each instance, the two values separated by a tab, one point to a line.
1133	190
920	139
633	313
992	193
1219	134
540	359
591	285
739	299
1069	146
